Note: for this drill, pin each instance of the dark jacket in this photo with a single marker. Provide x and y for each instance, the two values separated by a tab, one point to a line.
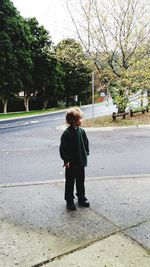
74	147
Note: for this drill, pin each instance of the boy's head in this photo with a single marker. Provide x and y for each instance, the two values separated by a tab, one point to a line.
74	116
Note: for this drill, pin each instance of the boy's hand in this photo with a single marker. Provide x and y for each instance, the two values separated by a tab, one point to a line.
67	165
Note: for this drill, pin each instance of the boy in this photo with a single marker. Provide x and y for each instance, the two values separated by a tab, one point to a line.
74	148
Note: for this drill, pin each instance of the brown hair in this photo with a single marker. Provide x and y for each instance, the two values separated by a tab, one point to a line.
73	115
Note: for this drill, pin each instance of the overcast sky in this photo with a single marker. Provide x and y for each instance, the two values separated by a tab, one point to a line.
50	13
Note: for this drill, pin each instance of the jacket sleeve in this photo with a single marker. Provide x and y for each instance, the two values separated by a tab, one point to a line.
86	143
63	148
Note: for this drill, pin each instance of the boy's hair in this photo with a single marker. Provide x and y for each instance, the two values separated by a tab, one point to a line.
73	115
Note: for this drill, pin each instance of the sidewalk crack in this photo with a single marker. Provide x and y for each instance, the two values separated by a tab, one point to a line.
120	230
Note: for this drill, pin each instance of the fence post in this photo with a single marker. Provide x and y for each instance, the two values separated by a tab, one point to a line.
131	113
114	116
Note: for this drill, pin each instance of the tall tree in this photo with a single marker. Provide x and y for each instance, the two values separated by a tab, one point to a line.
25	62
10	36
50	83
39	42
76	68
115	30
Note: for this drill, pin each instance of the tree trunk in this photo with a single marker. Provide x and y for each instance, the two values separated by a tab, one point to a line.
120	110
67	101
26	102
5	102
45	103
141	99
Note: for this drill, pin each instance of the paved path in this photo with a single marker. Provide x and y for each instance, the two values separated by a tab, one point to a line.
37	230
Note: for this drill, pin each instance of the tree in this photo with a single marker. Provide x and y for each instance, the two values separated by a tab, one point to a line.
9	79
49	84
39	42
25	63
76	68
10	32
115	30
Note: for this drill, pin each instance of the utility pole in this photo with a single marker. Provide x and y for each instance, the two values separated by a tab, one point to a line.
93	94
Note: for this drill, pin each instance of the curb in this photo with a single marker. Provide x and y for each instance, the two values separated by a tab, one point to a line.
95	129
88	179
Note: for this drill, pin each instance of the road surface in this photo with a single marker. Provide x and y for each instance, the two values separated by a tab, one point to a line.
30	152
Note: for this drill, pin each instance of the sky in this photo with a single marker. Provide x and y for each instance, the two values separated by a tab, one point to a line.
52	14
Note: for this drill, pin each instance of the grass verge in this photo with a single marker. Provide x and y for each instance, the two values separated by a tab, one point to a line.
107	121
23	113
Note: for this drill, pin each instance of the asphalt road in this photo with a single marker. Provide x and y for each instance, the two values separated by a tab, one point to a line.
54	119
30	152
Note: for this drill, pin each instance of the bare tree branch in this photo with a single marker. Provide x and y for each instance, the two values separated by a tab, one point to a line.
73	20
117	28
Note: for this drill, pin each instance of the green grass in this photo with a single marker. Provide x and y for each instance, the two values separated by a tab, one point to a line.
23	113
107	121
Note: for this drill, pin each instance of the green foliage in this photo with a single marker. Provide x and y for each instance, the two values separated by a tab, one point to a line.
121	103
39	39
138	109
136	77
76	68
49	82
118	90
10	33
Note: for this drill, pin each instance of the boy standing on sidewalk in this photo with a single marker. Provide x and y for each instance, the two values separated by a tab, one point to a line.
74	148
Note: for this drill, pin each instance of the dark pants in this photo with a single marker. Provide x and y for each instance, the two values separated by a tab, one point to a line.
74	174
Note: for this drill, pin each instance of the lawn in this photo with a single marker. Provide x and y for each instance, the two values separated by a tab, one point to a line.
30	113
107	121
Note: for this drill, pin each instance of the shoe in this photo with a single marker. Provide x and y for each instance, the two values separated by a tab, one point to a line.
84	202
71	205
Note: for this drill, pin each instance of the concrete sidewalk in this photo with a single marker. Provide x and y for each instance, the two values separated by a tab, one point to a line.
37	230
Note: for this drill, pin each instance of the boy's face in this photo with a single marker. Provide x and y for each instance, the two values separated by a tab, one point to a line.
79	122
